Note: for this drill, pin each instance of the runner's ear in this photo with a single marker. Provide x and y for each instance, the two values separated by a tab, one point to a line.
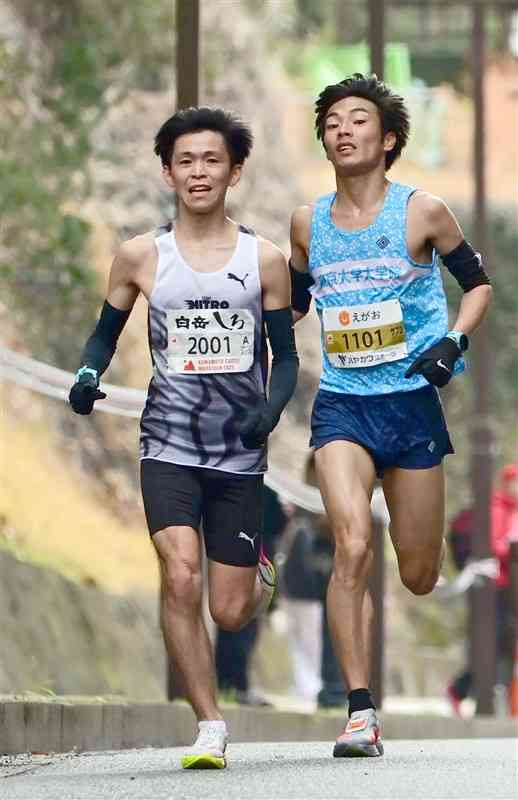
167	177
389	141
235	174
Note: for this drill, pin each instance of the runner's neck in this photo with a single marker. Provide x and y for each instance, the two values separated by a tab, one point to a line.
358	200
210	249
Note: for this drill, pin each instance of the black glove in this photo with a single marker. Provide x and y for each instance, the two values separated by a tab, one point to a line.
436	364
84	393
255	427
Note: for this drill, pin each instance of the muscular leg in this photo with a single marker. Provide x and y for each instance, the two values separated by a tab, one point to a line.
233	509
235	593
415	499
346	477
184	631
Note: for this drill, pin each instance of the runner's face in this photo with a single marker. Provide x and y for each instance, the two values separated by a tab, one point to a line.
353	137
201	171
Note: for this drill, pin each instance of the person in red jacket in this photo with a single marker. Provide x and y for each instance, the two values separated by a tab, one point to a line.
504	530
504	520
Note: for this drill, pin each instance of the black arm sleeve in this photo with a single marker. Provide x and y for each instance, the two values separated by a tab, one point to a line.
300	295
465	264
285	363
101	345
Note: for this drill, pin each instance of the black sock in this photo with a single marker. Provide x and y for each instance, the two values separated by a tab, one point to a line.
359	700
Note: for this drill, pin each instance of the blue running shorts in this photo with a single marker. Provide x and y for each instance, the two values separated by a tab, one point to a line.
402	429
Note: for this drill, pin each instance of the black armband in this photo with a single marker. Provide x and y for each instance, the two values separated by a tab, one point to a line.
300	294
285	363
465	264
101	345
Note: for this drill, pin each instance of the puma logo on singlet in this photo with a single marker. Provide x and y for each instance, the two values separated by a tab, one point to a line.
232	277
251	539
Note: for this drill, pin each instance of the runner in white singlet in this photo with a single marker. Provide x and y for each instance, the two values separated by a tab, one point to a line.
214	290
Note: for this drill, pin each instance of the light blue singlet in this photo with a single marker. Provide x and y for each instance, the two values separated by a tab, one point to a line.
366	268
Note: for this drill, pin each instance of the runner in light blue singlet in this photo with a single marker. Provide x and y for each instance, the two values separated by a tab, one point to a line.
361	253
372	265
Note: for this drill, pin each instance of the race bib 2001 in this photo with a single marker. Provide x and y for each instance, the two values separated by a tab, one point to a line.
209	341
364	336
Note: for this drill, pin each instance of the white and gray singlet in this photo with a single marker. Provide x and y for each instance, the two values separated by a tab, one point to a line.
209	359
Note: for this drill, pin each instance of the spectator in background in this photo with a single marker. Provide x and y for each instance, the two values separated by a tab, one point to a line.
504	530
301	602
504	519
305	576
234	649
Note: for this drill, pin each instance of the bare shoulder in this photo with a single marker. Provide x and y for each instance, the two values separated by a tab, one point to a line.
300	236
428	207
132	270
431	219
270	256
134	252
275	276
301	220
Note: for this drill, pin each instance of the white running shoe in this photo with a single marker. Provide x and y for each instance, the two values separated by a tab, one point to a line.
208	751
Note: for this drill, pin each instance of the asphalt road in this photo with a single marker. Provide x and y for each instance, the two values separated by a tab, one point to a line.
481	769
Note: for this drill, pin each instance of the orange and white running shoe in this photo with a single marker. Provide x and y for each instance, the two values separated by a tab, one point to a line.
361	736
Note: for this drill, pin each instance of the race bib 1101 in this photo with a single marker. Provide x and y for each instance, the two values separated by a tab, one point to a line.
364	336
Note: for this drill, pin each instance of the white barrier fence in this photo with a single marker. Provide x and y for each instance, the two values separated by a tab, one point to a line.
53	382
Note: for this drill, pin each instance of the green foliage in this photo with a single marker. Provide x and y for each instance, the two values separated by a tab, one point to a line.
500	262
44	264
437	37
312	15
58	77
325	64
439	65
502	322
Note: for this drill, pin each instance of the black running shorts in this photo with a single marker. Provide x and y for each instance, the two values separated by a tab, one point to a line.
228	506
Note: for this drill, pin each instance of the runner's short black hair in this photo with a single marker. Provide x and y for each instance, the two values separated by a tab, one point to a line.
238	136
394	116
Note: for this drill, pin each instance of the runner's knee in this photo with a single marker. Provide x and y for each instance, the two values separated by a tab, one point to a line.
420	572
351	527
231	616
419	579
181	582
352	560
